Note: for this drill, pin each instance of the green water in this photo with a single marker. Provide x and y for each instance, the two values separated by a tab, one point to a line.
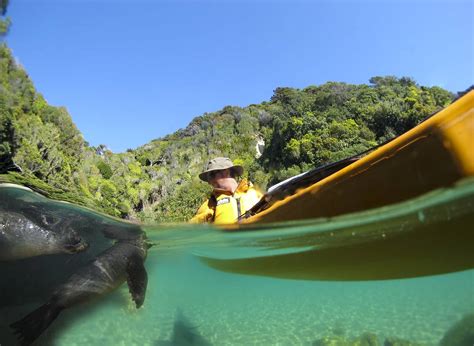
227	309
224	308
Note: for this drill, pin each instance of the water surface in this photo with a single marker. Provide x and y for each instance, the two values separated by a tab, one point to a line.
206	305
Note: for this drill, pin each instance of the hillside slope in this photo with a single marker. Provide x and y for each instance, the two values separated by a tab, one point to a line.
296	130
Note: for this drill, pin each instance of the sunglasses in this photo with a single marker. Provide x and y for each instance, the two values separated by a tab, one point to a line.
213	174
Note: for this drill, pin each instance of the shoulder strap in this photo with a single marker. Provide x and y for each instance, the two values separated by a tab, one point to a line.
212	204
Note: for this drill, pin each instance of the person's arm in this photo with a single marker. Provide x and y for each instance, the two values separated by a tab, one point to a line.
204	214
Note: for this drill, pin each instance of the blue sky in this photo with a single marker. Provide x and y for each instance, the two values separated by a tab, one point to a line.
132	71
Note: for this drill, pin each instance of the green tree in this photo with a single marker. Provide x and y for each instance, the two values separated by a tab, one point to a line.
302	129
5	22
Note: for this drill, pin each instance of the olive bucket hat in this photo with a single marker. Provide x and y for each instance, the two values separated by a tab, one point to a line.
220	163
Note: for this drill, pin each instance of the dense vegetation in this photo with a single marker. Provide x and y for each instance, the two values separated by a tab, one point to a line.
41	147
4	21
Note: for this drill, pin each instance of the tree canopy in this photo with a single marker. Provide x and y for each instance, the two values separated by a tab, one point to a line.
4	21
40	145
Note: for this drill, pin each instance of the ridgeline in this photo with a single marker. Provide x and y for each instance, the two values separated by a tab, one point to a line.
294	131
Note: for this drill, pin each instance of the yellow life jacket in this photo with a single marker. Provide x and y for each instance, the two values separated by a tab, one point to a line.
223	207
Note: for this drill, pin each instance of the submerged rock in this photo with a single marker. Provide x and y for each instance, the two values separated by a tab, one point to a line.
461	333
394	341
333	340
366	339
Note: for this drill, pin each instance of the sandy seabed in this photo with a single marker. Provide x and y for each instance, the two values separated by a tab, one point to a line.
225	309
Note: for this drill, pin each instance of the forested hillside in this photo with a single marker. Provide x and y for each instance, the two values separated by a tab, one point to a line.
296	130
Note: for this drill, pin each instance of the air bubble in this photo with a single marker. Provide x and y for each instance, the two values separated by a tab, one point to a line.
421	216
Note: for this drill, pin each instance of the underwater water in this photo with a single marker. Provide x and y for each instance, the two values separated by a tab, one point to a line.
200	292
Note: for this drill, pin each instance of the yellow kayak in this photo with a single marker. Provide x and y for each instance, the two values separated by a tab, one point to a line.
428	235
404	210
434	154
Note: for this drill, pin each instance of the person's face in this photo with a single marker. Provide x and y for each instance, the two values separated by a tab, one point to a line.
219	179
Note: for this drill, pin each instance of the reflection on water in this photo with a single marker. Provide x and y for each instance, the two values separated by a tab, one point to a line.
190	303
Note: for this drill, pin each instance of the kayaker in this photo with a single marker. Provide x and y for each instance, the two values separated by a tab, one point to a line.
229	198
